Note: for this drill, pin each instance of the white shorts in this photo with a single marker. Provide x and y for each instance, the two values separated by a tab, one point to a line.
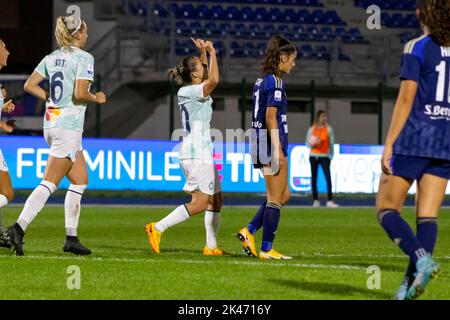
3	165
201	176
63	143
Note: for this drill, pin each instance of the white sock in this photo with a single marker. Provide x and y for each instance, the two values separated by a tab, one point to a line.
72	206
3	202
177	216
212	224
35	203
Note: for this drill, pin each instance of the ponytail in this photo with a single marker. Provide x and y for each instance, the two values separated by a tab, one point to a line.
182	74
66	28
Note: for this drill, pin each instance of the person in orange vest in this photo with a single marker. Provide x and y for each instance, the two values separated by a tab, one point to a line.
320	139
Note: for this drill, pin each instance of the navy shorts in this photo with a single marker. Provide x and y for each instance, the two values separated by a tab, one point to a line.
415	167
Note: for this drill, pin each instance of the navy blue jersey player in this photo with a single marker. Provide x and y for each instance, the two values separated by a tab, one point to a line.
268	91
417	146
269	145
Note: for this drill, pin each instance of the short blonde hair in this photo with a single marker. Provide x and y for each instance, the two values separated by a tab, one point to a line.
66	27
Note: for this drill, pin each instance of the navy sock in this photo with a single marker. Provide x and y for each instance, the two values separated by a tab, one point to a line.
400	232
257	220
426	235
271	219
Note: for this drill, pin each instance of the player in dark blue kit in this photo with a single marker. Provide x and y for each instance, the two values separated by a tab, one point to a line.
417	146
269	145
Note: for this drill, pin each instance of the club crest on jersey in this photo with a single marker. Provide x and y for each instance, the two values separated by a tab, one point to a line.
90	69
277	95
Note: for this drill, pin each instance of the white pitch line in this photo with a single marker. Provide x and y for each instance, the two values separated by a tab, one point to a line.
188	261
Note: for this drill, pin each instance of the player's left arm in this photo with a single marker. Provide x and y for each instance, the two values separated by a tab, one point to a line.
402	109
32	87
274	132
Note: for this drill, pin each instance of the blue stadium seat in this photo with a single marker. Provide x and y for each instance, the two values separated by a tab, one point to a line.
225	28
275	15
176	10
386	19
260	14
397	21
247	14
182	29
217	13
355	35
233	13
332	18
284	30
220	48
289	16
304	17
411	21
261	48
137	8
269	31
313	3
341	34
307	51
299	33
255	30
211	29
236	50
313	34
322	53
240	30
184	48
318	17
197	30
188	11
249	50
160	11
203	12
327	34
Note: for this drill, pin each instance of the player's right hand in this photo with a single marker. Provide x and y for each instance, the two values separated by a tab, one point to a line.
101	97
209	46
386	160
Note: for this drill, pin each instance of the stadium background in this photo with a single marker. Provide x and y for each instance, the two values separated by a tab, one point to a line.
343	68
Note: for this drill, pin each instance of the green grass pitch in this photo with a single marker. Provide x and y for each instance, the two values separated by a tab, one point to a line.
332	250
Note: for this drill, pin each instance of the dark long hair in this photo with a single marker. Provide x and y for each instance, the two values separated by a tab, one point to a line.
276	48
182	73
435	14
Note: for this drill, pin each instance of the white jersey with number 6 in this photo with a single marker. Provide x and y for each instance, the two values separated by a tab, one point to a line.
62	68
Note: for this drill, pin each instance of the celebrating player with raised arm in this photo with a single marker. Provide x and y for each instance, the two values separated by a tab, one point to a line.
6	189
198	81
417	146
270	145
70	71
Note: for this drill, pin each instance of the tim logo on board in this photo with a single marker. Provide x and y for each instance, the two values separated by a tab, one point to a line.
300	176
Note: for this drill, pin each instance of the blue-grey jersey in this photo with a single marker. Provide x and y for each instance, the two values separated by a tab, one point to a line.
63	67
427	130
268	91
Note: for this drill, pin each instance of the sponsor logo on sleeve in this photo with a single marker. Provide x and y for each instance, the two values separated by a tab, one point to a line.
277	95
90	69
